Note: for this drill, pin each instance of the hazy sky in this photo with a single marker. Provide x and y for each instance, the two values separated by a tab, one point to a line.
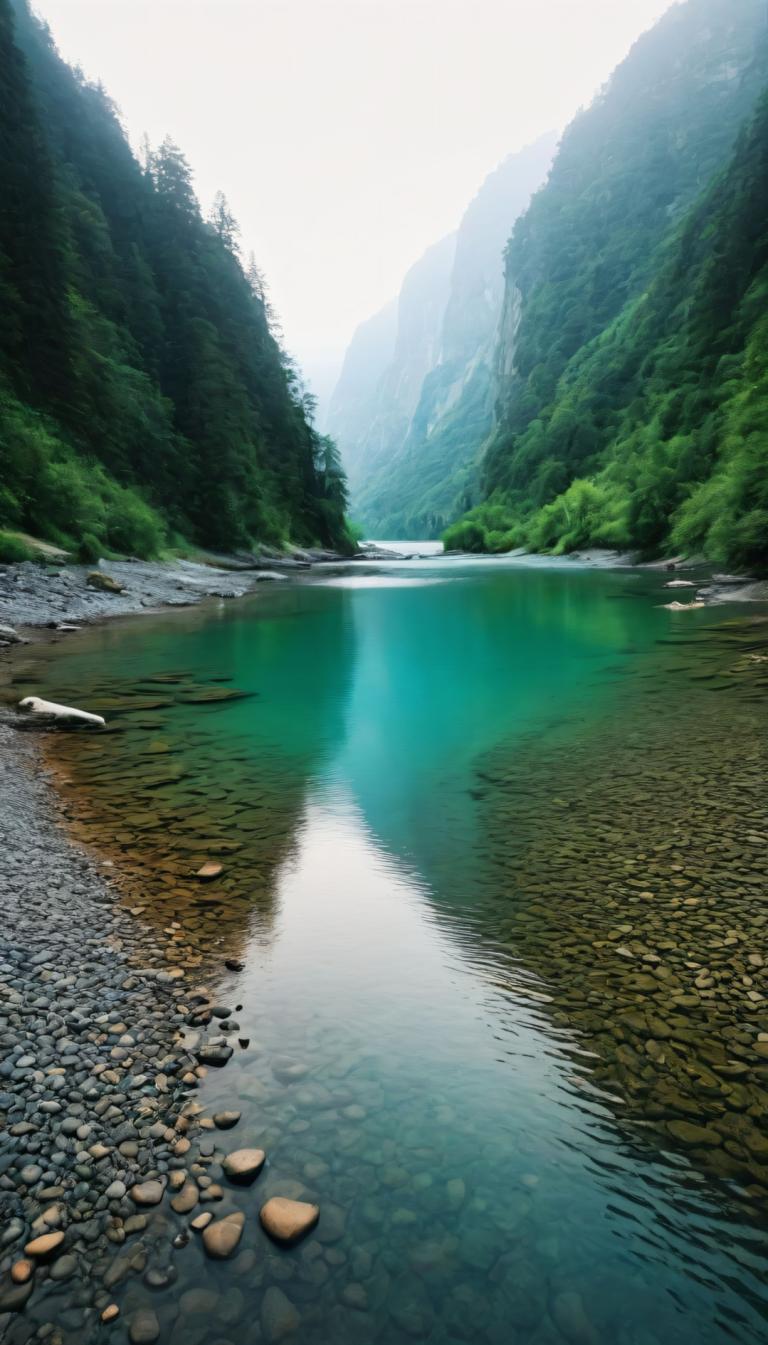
347	134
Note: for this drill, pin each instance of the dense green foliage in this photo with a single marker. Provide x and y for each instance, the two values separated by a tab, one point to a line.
634	414
142	392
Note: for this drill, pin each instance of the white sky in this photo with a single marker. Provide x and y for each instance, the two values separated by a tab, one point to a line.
348	135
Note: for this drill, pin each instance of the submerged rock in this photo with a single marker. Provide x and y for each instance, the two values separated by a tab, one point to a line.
222	1236
288	1220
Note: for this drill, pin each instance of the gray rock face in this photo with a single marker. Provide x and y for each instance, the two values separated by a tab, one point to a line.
409	438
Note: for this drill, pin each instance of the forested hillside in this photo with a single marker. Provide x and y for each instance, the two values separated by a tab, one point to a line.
629	400
143	396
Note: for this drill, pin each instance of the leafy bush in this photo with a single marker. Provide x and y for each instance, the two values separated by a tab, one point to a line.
13	549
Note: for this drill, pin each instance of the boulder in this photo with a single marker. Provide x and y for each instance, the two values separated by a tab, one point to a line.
222	1236
144	1328
288	1220
244	1165
147	1193
44	1246
186	1199
279	1317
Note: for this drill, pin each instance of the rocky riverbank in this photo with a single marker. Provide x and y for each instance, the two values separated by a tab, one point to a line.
108	1164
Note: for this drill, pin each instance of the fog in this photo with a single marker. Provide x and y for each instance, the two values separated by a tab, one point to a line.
348	135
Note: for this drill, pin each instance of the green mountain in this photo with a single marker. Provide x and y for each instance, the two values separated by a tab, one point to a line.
411	450
143	395
384	369
628	406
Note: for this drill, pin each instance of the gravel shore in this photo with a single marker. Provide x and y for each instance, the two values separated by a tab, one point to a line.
99	1056
35	595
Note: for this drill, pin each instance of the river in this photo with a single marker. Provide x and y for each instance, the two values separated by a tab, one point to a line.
433	761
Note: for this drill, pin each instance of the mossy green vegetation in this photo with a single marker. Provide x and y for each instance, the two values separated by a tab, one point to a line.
637	415
144	395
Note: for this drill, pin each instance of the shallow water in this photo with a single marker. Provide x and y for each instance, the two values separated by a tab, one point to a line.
387	802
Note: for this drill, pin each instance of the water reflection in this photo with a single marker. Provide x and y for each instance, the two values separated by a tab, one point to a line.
418	791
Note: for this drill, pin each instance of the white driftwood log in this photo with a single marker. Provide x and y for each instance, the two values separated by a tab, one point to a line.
40	707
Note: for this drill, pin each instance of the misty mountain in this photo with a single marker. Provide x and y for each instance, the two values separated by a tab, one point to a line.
408	418
632	320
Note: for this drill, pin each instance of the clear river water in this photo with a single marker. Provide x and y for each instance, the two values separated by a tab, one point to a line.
473	816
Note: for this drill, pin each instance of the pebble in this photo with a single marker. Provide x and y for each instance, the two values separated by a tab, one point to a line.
279	1317
244	1165
222	1236
44	1246
21	1271
147	1193
144	1327
288	1220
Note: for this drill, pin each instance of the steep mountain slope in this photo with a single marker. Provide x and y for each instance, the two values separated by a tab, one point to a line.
430	475
370	429
369	355
142	392
595	238
410	452
679	388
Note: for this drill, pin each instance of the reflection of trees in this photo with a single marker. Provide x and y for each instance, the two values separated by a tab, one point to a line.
179	783
617	871
446	670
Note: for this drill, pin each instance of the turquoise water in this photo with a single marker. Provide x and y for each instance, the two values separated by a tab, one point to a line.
472	1187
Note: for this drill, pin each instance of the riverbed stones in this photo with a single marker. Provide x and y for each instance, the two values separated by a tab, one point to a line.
21	1271
243	1165
287	1221
222	1236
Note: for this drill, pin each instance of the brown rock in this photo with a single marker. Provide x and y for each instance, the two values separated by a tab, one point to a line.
210	870
21	1271
110	1313
221	1237
186	1199
225	1120
279	1317
288	1220
201	1221
244	1165
147	1193
44	1246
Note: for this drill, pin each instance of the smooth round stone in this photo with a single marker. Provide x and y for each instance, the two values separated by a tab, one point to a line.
110	1313
201	1221
31	1174
186	1199
225	1120
279	1317
115	1190
244	1165
288	1220
222	1236
21	1271
44	1246
144	1328
147	1193
63	1267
